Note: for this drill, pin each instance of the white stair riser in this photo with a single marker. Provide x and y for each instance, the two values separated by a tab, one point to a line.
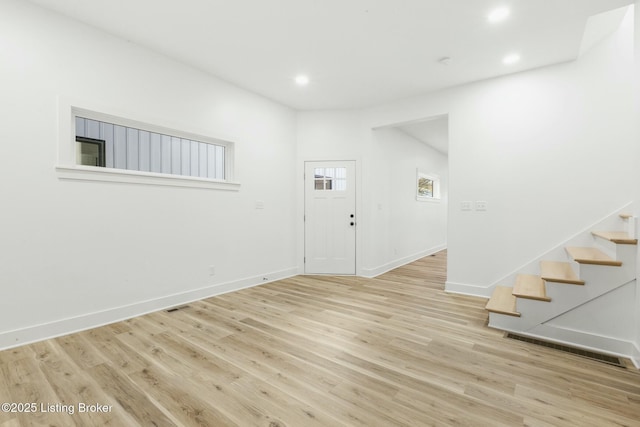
620	252
613	221
627	254
565	298
605	246
504	322
623	253
598	279
593	274
630	226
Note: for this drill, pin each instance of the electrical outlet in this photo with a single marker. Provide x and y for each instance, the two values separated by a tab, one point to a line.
212	270
465	206
481	205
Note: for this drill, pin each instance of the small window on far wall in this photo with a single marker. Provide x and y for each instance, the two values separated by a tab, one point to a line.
91	151
427	186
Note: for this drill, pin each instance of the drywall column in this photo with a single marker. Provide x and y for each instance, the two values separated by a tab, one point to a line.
636	155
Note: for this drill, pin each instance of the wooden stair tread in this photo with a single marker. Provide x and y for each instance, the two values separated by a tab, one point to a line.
589	255
530	286
559	272
621	237
502	301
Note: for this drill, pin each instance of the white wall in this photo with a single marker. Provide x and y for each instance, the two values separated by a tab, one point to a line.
74	253
547	149
400	228
637	153
608	316
393	228
551	150
331	135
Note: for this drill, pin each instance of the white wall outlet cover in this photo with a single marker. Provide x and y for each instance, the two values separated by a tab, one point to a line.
481	205
465	206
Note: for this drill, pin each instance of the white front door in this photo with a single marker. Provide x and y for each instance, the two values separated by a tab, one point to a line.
330	217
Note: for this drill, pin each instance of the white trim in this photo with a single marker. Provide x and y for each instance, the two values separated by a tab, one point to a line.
89	173
635	355
467	289
300	210
435	179
376	271
356	195
532	265
68	168
585	341
56	328
428	199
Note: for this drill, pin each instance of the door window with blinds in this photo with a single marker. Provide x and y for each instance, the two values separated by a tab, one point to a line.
109	145
330	179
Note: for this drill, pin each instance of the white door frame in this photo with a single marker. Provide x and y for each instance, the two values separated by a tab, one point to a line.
337	254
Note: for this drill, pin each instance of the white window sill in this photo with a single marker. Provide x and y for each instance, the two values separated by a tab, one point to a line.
88	173
429	199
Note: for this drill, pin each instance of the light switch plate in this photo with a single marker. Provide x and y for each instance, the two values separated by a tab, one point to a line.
481	205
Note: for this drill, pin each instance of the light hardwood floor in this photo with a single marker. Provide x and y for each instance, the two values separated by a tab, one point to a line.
317	351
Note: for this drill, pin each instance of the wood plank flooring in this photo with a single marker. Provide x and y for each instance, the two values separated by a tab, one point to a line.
316	351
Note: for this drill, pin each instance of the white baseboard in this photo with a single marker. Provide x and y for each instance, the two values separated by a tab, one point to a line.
635	356
56	328
585	341
376	271
467	289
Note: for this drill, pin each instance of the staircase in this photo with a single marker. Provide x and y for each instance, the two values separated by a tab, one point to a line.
566	279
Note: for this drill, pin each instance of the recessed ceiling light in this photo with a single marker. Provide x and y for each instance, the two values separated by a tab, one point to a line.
511	59
302	80
498	15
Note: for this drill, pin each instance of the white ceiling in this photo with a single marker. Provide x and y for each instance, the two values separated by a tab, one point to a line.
357	53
